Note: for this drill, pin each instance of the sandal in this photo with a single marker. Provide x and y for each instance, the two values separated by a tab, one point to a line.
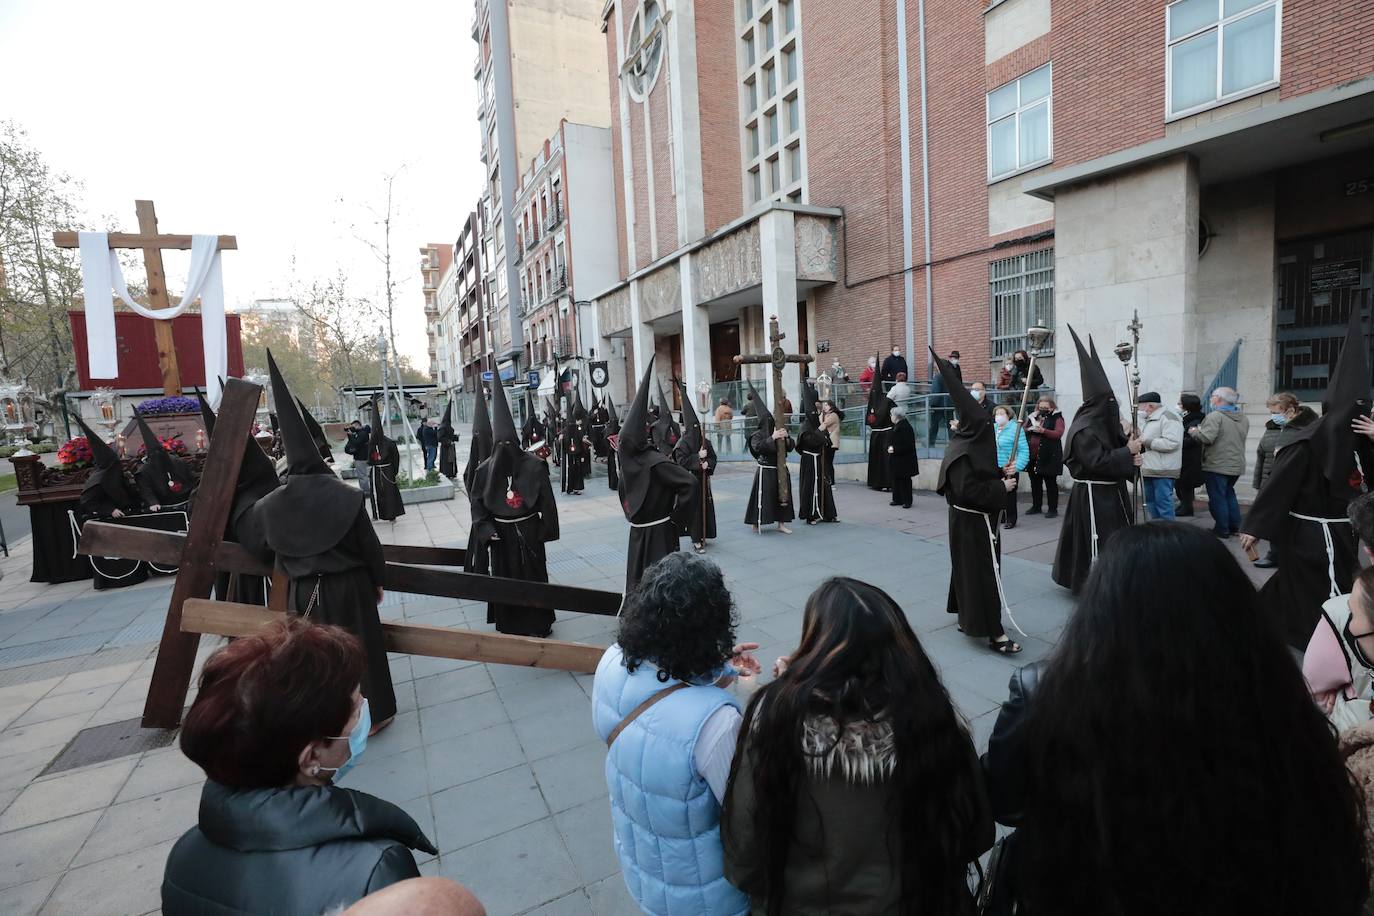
1004	646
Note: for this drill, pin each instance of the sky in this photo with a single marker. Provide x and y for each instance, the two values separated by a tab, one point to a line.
276	122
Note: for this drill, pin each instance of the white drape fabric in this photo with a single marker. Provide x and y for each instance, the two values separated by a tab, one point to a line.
102	280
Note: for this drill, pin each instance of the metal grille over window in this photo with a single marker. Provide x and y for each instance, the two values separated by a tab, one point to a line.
771	100
1021	291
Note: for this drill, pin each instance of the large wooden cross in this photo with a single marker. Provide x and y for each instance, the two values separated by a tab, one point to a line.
147	238
778	358
201	552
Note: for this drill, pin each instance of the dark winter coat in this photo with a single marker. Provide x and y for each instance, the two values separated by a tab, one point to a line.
903	462
1273	437
1191	473
297	849
1047	446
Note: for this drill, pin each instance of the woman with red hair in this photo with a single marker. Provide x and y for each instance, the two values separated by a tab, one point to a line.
278	718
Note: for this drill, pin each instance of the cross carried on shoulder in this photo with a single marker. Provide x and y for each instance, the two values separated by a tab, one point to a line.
778	358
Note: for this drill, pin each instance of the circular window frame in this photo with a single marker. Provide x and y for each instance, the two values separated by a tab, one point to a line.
641	78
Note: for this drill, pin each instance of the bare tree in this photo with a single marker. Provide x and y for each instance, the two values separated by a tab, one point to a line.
336	320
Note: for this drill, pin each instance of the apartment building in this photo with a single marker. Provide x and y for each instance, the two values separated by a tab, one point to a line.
436	259
548	56
931	172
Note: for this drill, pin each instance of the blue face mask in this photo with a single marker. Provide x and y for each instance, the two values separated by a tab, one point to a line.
1278	418
357	742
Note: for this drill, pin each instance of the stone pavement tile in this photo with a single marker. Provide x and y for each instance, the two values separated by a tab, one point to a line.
98	676
141	823
515	871
405	696
42	850
57	706
981	728
397	777
587	832
452	685
487	807
557	730
574	904
135	688
401	735
468	757
18	770
72	792
160	771
572	777
401	669
27	899
460	717
610	897
543	695
130	883
424	667
503	675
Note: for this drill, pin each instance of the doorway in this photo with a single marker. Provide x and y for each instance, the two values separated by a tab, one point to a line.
1320	281
724	349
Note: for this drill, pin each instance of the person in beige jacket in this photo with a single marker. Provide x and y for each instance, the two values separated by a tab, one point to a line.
830	425
1223	433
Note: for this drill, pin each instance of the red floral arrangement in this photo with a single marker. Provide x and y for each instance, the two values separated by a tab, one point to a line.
75	453
172	445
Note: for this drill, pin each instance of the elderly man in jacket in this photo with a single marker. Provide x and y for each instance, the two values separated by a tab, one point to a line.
1223	434
1161	448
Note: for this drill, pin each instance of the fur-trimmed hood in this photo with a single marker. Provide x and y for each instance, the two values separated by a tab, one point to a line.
863	752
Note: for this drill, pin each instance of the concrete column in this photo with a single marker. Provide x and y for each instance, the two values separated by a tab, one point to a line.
696	334
778	264
641	335
1124	245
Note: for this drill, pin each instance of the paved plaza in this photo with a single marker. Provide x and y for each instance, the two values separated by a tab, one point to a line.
499	765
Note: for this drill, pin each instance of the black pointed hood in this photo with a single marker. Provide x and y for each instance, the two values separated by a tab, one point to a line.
446	424
974	440
1099	410
879	412
510	468
666	431
579	410
502	423
692	436
811	417
257	474
108	475
102	456
316	432
302	454
207	414
1334	444
376	437
1091	373
479	449
635	457
612	419
761	411
170	477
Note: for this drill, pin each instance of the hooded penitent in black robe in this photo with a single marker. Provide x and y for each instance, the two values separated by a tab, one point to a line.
665	432
316	432
317	527
612	438
817	496
655	494
879	420
257	477
105	493
164	480
479	449
384	464
1315	475
513	516
597	419
701	525
576	448
1096	454
448	444
971	482
764	507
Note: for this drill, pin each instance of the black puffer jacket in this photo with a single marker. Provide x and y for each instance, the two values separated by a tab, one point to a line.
295	850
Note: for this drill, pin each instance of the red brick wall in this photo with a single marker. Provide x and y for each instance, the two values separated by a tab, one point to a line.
665	203
1325	44
617	152
718	96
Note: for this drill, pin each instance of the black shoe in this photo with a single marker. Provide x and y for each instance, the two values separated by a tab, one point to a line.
1265	563
1181	514
906	505
1007	526
893	503
1033	510
1051	514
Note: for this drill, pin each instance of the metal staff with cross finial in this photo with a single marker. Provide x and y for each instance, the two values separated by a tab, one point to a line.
778	358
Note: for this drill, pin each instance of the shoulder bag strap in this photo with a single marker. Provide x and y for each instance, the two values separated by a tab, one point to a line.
641	709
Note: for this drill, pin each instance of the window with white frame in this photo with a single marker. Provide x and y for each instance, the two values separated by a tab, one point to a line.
1021	294
771	106
1219	50
1019	116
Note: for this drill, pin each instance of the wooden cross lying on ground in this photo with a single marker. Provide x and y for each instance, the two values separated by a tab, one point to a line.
778	358
201	552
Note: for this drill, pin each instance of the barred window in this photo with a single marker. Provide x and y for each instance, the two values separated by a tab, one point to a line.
1021	294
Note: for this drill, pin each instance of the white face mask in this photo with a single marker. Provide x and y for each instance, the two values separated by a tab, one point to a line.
977	394
1143	414
1001	419
896	352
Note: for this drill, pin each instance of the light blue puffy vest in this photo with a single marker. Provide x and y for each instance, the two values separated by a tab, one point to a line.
667	821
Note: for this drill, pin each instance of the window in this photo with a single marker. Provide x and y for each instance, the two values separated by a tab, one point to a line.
644	50
771	100
1219	50
1021	293
1019	124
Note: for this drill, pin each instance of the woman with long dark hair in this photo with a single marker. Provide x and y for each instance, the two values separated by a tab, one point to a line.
1173	759
855	786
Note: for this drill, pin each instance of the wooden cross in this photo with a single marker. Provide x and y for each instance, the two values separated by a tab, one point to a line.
152	244
778	358
201	552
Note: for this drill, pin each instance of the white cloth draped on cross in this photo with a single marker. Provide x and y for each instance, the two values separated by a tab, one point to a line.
102	279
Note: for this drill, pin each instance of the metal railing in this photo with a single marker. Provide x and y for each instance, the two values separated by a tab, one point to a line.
555	217
1227	376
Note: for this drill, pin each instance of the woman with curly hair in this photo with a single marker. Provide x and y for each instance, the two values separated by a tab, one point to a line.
856	787
659	703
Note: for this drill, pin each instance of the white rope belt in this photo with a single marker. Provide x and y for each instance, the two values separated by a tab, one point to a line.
1092	510
996	565
875	429
666	518
1326	524
819	480
76	540
512	521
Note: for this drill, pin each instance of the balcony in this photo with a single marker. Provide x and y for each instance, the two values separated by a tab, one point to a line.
558	282
555	217
562	346
531	241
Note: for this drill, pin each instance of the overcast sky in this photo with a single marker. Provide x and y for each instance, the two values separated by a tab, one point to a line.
276	122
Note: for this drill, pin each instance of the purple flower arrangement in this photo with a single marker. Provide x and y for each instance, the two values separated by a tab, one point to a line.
169	405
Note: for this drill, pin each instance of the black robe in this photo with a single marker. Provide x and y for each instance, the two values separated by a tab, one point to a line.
613	470
102	495
598	419
1106	502
448	457
575	459
817	497
701	523
164	489
764	508
1293	596
879	438
509	542
975	546
655	528
383	465
902	462
335	571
